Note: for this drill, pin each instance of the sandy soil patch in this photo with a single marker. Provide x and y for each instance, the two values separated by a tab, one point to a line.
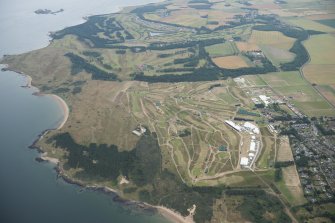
230	62
273	38
246	46
173	215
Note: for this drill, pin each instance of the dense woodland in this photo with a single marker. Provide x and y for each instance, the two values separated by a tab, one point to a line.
186	44
89	30
141	165
79	64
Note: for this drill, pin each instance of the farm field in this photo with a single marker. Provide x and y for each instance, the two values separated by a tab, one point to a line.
247	46
328	91
274	45
284	152
188	17
290	186
320	69
277	55
223	49
299	92
273	38
230	62
321	48
320	73
255	80
310	24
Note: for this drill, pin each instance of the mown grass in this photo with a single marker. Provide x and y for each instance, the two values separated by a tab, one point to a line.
223	49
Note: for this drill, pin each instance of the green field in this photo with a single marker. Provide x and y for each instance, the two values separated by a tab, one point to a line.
300	92
223	49
282	79
321	49
310	24
276	55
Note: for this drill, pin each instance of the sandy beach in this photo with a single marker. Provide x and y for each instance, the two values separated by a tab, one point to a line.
173	215
64	108
59	100
45	157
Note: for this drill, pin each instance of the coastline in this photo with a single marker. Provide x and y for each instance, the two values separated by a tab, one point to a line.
64	107
165	212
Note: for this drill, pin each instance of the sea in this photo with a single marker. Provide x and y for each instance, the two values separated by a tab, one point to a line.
31	192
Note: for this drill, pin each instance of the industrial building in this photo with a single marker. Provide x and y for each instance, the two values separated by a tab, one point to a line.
251	128
233	125
265	99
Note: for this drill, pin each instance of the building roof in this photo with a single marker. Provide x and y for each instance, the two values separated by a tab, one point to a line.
244	161
265	99
252	146
252	127
232	124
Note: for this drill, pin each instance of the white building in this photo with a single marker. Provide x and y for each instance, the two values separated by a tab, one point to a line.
272	129
265	99
256	101
139	130
232	124
252	128
252	146
244	161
